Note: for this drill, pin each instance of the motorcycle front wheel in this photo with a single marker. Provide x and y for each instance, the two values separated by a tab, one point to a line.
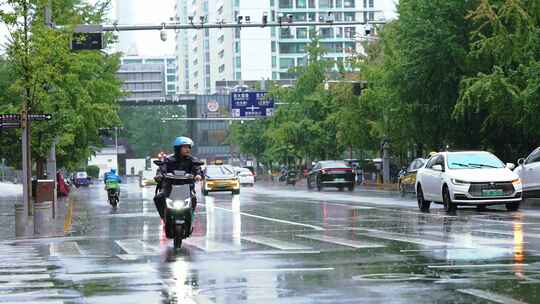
178	235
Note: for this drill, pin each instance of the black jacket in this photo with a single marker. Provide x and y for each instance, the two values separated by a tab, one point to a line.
188	164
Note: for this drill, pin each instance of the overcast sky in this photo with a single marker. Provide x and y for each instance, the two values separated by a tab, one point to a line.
143	12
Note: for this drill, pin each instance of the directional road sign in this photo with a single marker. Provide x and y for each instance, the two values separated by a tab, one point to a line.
17	117
10	125
251	104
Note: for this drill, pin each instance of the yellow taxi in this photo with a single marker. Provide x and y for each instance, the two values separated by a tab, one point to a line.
407	180
220	178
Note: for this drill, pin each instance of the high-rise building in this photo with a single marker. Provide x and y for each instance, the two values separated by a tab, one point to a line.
206	56
149	77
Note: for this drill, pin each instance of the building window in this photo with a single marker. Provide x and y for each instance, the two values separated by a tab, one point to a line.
325	3
299	17
221	68
285	33
365	3
195	62
339	32
196	86
301	61
274	61
350	32
170	87
171	78
338	16
237	46
238	63
286	63
196	74
221	53
371	5
311	3
221	38
349	16
237	33
312	17
300	3
274	75
371	16
348	3
238	75
301	33
207	70
339	4
327	33
273	32
273	46
285	3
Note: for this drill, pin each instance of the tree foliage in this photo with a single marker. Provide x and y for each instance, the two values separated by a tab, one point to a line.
80	89
458	74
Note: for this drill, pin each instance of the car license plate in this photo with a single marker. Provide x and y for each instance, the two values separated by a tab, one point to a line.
339	179
492	192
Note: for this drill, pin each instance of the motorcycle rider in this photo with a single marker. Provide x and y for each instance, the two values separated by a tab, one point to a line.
181	160
111	181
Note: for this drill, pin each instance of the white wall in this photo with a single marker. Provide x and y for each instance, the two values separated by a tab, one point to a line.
105	162
139	164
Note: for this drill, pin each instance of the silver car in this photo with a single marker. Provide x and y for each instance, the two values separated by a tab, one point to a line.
529	171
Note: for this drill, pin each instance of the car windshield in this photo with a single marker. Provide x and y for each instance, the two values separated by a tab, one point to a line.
82	175
334	164
219	171
473	161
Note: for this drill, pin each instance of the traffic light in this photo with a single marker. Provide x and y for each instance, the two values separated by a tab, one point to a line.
87	37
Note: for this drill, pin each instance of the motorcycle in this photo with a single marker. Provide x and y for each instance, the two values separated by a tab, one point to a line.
180	206
112	188
291	178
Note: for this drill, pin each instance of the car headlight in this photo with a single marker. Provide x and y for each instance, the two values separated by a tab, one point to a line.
459	182
516	182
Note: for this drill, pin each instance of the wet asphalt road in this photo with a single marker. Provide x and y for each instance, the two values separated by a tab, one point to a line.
278	245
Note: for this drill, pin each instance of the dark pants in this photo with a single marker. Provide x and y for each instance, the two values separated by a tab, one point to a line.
160	200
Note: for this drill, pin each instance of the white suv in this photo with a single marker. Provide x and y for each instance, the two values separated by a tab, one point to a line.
529	172
467	178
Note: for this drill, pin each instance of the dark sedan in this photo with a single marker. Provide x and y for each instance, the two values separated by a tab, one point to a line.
331	173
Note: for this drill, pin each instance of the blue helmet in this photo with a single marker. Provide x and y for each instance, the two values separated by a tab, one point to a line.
183	141
113	171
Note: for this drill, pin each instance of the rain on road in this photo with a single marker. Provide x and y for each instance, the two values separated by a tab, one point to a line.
278	245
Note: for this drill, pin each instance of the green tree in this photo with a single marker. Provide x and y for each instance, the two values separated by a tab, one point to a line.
80	89
501	93
147	133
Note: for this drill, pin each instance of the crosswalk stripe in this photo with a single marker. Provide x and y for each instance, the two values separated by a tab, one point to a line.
209	245
137	247
64	249
282	245
341	241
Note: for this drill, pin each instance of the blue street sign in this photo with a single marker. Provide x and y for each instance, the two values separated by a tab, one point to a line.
251	104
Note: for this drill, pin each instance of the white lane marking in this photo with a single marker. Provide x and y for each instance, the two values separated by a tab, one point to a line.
77	277
476	266
137	247
274	219
128	257
478	240
24	277
288	269
209	245
400	237
64	249
279	252
282	245
490	296
25	285
341	241
23	270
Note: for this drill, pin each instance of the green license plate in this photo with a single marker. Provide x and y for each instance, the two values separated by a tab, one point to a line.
491	193
339	179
